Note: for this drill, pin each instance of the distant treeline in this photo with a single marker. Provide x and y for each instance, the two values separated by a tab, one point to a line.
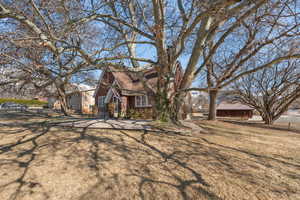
24	101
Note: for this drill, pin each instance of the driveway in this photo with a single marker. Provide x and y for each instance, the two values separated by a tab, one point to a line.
108	124
55	119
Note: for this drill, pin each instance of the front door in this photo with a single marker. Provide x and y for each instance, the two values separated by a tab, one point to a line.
117	107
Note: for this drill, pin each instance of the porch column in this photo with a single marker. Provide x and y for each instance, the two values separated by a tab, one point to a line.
124	105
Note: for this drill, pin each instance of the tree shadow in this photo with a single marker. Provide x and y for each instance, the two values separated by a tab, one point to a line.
262	125
28	155
138	164
182	183
22	115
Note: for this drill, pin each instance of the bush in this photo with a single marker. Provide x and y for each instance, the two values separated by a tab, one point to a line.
25	102
143	113
133	114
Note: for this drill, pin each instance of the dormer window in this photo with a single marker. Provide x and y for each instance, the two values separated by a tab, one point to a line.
152	75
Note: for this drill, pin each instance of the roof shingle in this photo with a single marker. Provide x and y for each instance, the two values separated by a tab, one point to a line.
129	82
233	106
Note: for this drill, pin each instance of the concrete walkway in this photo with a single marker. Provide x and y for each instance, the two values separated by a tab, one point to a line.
126	125
108	124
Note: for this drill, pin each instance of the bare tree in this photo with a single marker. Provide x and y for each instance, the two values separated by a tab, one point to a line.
33	67
296	104
41	48
269	28
270	91
201	31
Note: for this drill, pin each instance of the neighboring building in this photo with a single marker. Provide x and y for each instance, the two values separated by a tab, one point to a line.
199	102
238	110
79	99
120	93
53	102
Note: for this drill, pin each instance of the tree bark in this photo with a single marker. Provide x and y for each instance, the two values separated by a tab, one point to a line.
163	108
64	106
212	104
152	99
268	120
63	100
179	108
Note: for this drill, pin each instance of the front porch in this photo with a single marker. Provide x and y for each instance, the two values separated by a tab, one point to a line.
122	109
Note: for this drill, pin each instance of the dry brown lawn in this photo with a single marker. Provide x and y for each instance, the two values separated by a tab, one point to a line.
220	161
295	126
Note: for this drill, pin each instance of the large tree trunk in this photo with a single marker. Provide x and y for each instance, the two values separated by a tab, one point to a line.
269	120
267	115
165	109
64	106
179	109
152	99
162	108
171	108
212	104
63	101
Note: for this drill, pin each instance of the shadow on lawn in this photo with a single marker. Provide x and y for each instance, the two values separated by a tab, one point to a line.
27	146
21	115
262	125
147	160
196	181
182	184
28	155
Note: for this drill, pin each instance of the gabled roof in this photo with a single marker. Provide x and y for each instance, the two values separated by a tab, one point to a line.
78	87
233	106
128	81
127	78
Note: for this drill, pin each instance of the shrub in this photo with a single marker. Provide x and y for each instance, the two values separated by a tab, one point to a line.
143	113
133	114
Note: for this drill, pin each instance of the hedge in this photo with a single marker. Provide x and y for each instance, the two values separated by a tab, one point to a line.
24	101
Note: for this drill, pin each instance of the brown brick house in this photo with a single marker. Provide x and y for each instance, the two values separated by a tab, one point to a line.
120	93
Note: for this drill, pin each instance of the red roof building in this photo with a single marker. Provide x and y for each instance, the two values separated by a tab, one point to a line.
238	110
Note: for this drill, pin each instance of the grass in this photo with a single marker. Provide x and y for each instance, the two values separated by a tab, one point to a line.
220	161
284	126
166	126
290	126
24	101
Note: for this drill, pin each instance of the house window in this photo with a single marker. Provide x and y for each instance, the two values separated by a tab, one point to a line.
101	100
141	101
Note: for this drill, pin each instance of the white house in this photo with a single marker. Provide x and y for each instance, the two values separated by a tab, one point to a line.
79	99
